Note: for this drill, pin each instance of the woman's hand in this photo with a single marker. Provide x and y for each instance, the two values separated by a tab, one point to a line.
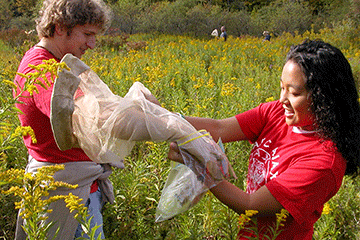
174	153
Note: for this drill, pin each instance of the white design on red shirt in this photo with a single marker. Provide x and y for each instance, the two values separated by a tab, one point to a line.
262	164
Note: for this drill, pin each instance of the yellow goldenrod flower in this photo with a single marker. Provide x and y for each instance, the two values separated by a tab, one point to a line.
198	85
25	131
33	188
74	203
10	83
31	89
269	99
251	213
326	210
172	82
228	89
22	75
39	75
210	83
281	217
245	218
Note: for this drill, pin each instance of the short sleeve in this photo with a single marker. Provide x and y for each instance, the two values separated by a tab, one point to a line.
252	122
43	98
35	57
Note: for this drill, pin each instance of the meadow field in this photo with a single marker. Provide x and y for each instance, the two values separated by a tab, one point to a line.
195	77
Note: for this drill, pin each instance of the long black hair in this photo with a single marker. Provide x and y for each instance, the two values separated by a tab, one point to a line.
335	99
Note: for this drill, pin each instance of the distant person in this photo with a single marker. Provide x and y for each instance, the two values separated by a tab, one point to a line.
215	33
223	33
267	36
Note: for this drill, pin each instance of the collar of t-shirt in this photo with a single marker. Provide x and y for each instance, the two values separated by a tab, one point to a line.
301	131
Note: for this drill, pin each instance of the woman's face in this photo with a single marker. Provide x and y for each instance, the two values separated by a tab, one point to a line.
295	98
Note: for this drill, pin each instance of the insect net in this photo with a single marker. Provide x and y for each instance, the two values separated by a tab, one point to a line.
85	113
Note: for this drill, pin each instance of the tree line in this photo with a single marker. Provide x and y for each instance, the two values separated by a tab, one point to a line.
199	17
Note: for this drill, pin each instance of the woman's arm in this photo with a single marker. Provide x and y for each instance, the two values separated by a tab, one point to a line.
239	201
228	129
233	197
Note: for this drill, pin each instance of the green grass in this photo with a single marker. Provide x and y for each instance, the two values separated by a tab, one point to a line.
207	78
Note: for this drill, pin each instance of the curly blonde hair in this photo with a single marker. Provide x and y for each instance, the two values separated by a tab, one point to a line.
70	13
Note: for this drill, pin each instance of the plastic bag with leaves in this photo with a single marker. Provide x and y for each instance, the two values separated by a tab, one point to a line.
206	165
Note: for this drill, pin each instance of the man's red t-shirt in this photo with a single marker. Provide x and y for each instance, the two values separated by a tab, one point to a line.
36	114
300	170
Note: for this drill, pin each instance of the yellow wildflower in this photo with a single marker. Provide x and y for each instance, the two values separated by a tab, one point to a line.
210	83
281	217
25	131
31	89
172	82
22	75
198	85
74	203
10	83
245	218
228	89
269	99
251	213
34	187
12	176
39	76
326	210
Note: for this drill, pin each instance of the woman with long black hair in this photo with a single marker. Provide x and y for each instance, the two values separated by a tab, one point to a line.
303	144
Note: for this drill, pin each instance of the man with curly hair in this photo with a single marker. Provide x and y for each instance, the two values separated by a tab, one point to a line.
64	26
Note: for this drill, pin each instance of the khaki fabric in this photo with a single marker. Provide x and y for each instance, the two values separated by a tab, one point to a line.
81	173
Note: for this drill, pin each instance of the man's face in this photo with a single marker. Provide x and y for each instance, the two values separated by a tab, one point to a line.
80	39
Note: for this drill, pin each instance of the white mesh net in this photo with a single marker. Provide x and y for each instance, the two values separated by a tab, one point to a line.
106	127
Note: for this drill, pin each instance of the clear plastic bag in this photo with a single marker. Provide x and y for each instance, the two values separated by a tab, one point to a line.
206	165
205	158
182	191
